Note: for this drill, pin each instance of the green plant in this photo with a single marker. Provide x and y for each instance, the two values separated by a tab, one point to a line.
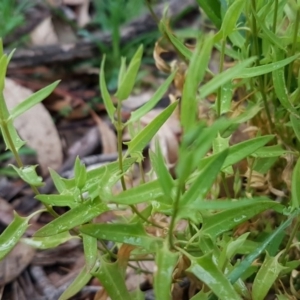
12	15
263	40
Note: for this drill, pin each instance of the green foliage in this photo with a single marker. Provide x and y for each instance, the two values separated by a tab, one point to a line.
11	15
262	39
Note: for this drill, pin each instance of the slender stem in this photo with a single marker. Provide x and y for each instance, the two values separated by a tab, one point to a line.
283	258
20	165
257	53
293	50
221	68
275	15
119	127
174	215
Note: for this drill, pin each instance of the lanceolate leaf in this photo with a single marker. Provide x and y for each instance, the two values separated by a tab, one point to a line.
110	108
143	193
81	214
112	279
132	234
265	277
212	9
141	111
218	223
205	269
194	76
32	100
139	142
165	263
12	234
204	181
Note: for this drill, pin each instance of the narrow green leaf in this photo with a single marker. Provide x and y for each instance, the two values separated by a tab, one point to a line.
212	9
241	268
218	205
81	214
110	108
281	90
113	281
205	270
57	180
90	250
12	234
59	200
269	151
142	193
218	223
231	17
296	185
165	261
132	234
164	177
194	76
261	70
49	242
240	151
224	77
265	277
79	282
122	71
32	100
141	111
226	97
204	180
139	142
126	86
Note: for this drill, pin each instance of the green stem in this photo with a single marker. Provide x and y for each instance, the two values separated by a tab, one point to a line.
174	215
13	149
221	68
275	16
293	50
119	127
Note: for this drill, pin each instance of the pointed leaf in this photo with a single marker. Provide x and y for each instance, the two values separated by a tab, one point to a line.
205	270
165	261
194	76
12	234
81	214
132	234
129	77
265	277
141	111
110	108
32	100
204	181
112	279
139	142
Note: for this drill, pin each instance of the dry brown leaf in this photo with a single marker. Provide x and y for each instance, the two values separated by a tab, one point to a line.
15	262
35	127
108	137
44	34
